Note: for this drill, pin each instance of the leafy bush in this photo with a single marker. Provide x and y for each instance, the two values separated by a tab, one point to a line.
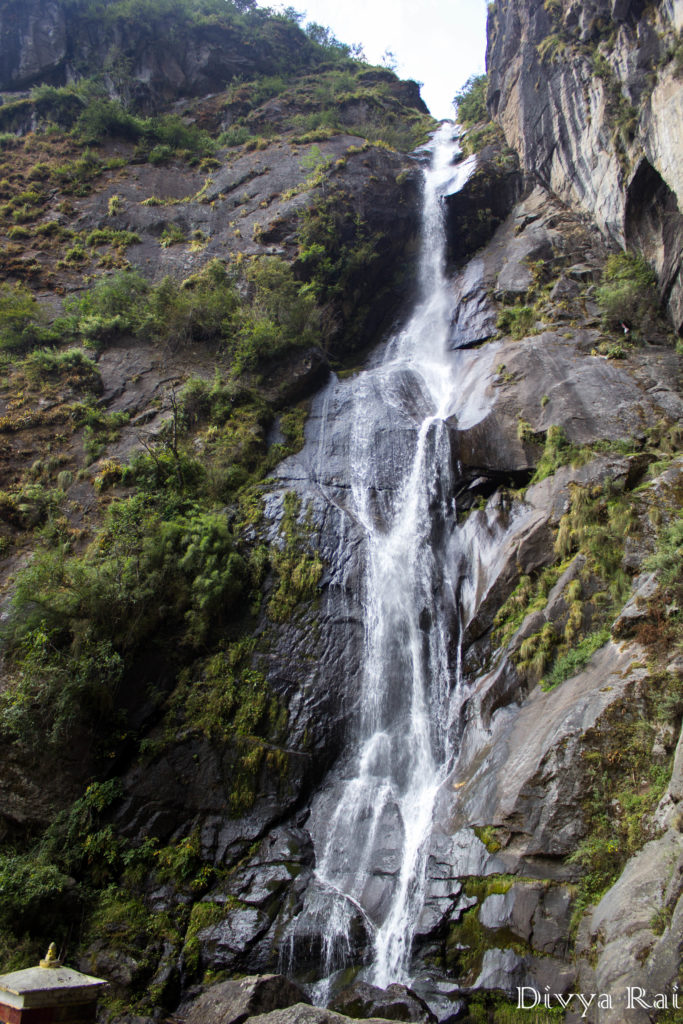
558	451
78	619
236	135
477	138
22	323
173	234
114	304
281	315
470	102
518	321
667	562
109	236
190	559
74	177
200	309
59	105
203	400
628	295
56	692
32	894
104	118
158	138
73	363
576	658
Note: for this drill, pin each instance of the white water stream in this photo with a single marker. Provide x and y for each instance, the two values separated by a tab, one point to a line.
372	848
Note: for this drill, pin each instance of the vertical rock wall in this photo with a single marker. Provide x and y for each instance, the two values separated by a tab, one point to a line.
588	95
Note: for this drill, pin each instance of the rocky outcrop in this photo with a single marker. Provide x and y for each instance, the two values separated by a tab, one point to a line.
572	87
166	55
549	435
474	210
395	1002
232	1002
521	775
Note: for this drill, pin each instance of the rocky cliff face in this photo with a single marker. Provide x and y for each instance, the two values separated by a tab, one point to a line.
199	713
589	95
283	204
541	808
149	60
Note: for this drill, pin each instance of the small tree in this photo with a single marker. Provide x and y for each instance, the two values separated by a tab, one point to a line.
470	102
628	294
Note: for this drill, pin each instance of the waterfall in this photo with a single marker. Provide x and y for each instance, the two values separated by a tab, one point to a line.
371	828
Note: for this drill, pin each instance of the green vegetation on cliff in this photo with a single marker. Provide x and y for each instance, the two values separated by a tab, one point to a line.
176	276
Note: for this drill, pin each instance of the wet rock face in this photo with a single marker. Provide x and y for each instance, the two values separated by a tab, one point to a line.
564	119
192	782
253	907
520	769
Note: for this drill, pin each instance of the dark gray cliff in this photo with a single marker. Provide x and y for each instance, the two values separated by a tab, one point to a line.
165	55
588	95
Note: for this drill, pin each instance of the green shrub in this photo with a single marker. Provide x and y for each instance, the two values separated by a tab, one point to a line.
558	451
77	618
75	840
281	315
517	321
8	140
76	255
59	105
477	138
201	309
115	304
22	323
32	895
236	135
55	693
667	562
53	228
576	658
173	234
628	293
202	400
101	428
104	118
552	48
470	102
75	176
160	154
109	236
74	363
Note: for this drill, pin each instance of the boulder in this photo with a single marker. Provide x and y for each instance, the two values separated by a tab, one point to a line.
303	1014
396	1002
232	1002
537	914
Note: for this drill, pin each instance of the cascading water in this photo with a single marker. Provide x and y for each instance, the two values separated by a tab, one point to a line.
372	847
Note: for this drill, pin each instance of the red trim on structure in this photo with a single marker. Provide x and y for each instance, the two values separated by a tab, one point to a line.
82	1013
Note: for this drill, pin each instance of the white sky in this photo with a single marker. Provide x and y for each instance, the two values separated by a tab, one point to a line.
437	42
